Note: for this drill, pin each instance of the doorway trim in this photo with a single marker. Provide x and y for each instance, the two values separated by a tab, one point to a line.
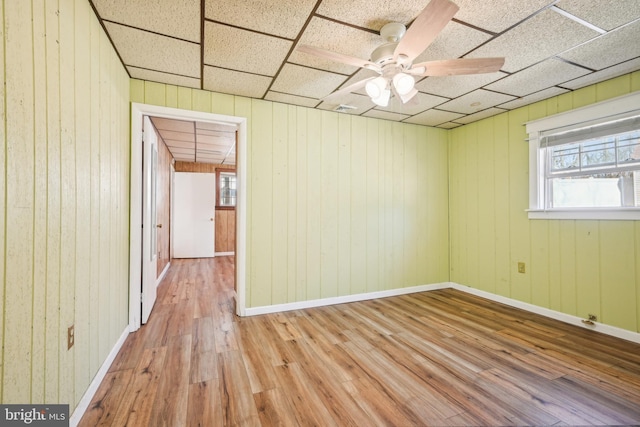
138	111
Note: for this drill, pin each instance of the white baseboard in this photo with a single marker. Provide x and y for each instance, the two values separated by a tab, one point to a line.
254	311
224	253
563	317
164	272
79	411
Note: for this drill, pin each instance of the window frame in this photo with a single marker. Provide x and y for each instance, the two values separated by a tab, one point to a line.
626	105
218	172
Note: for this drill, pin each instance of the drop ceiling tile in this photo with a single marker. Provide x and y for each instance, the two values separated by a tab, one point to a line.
173	125
475	101
534	97
179	19
606	16
536	39
479	115
540	76
433	117
454	86
360	75
417	104
237	49
308	82
453	42
609	49
177	136
140	49
371	14
329	35
361	102
385	115
291	99
449	125
284	18
156	76
497	15
235	82
602	75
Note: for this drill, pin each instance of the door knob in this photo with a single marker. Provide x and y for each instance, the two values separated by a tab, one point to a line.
210	219
159	225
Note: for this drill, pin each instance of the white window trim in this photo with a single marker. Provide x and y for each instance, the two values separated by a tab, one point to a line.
619	105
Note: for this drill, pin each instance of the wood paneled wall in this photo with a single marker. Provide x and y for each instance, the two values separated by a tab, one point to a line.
575	267
65	200
163	205
337	204
225	230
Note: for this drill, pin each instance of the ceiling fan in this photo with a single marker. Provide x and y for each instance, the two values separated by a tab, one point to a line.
393	61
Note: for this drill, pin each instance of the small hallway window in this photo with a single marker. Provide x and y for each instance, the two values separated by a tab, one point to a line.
227	188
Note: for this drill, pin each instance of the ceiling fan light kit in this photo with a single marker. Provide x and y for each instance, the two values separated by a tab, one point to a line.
393	60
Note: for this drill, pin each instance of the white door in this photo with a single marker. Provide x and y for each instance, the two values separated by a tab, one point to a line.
194	215
149	227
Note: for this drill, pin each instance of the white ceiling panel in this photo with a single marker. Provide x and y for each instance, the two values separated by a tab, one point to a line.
475	101
329	35
372	14
621	45
454	86
385	115
248	48
140	49
309	82
173	125
284	18
237	49
156	76
179	19
606	74
497	15
178	136
479	115
540	37
286	98
534	97
615	13
433	117
235	82
541	76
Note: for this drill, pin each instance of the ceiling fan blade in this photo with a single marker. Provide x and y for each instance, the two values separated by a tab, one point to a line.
425	28
337	57
454	67
331	98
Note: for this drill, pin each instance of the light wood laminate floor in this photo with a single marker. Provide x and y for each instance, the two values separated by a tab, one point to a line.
437	358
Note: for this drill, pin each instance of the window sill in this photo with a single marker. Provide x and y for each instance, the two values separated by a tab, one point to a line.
619	214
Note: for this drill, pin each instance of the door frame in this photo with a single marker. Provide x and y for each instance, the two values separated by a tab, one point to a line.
138	111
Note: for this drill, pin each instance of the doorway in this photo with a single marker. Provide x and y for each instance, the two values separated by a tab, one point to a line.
138	112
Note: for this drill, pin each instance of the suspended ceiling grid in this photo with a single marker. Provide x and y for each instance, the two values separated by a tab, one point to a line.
247	48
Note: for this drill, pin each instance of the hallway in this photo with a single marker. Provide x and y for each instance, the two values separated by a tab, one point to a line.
434	358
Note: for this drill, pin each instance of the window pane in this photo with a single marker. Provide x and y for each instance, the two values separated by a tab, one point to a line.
617	189
227	189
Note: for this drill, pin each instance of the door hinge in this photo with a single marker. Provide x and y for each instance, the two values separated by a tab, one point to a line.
141	297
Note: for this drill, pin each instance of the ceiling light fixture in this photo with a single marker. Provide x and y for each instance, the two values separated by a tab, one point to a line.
378	90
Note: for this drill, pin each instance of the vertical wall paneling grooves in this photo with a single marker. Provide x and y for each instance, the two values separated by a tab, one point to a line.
65	224
3	192
335	201
576	267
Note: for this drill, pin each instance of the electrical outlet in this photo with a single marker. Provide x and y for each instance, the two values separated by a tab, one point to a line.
70	337
521	268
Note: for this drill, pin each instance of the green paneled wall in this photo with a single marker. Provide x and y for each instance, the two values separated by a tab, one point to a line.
337	204
575	267
64	206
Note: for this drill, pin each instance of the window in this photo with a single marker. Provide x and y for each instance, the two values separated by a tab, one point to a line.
226	189
585	164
